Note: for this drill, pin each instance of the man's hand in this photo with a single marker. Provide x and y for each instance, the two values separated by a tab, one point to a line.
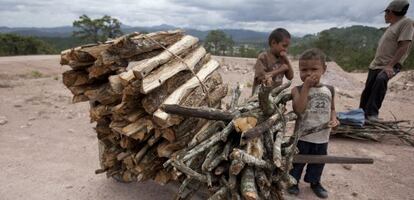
389	71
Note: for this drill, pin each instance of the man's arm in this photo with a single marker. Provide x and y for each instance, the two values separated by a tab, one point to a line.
401	51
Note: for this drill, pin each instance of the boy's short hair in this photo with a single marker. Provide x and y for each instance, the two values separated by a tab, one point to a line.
313	54
278	35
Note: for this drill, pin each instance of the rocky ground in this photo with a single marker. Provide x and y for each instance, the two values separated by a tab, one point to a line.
49	150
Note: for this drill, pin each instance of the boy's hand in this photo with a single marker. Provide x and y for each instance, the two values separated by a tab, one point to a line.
311	81
284	67
333	123
284	56
268	80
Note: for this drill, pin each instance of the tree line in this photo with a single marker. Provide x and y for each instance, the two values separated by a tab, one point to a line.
352	48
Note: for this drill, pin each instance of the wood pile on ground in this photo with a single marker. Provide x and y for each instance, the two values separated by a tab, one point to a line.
156	100
378	130
126	80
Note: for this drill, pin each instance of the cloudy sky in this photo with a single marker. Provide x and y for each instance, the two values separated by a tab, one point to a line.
298	16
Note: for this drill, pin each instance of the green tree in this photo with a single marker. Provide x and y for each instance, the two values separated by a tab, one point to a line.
218	43
96	30
11	44
111	27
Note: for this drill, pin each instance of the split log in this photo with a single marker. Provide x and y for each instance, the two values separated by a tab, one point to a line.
144	69
83	56
103	95
76	78
198	98
162	117
157	78
163	177
152	101
98	112
138	129
137	43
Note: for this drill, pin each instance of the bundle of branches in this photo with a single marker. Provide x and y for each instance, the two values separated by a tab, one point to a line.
243	153
377	130
126	80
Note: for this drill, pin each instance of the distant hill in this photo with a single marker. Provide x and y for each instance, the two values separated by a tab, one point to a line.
238	35
353	48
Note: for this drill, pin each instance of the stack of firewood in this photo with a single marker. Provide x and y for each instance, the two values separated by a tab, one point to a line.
156	99
244	153
125	81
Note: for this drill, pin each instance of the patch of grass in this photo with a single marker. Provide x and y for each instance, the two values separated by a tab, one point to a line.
249	84
56	78
36	74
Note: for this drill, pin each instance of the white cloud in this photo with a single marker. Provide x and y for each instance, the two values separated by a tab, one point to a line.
298	16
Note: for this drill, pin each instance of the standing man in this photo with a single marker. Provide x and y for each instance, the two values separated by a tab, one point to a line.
393	48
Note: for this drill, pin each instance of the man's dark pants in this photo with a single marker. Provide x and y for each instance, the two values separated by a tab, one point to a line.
374	92
313	171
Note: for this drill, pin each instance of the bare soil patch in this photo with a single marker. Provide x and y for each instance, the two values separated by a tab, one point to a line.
49	149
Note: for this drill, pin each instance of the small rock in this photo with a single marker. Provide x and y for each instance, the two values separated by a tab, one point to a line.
17	105
354	194
71	131
347	167
32	118
69	187
3	120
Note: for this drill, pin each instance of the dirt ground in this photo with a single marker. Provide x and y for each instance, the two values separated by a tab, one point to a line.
48	148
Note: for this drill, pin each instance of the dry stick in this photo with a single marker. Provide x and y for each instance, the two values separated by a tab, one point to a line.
210	157
268	140
188	171
235	98
232	184
250	160
279	89
248	185
236	166
204	133
199	112
277	145
203	145
223	156
183	186
259	129
220	194
138	157
318	159
204	87
263	183
209	142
